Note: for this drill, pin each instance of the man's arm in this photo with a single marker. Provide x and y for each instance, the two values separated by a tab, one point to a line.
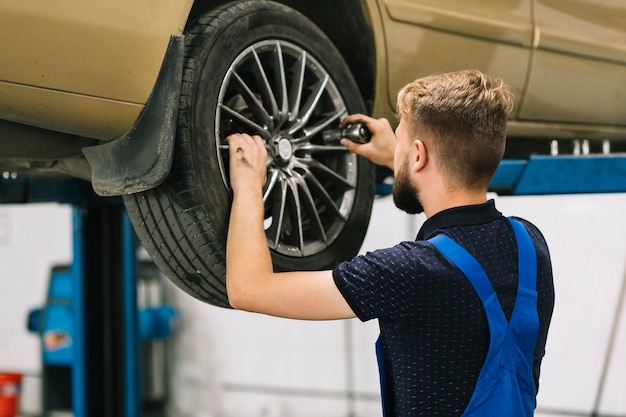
251	282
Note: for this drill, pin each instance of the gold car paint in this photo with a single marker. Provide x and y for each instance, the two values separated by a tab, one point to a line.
77	114
579	70
504	21
591	28
500	37
98	97
412	38
373	12
431	36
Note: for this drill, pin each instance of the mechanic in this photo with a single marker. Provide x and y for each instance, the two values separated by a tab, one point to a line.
463	321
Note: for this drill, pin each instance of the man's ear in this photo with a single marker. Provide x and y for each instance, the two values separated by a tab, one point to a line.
421	155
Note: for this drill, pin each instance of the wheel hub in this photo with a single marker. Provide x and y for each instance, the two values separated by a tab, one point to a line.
282	150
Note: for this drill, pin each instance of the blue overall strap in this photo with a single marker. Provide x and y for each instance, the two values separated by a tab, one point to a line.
505	385
527	287
527	261
384	384
467	264
526	257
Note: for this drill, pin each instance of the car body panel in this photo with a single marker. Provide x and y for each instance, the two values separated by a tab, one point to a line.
373	14
83	67
501	21
579	70
77	114
88	68
450	35
570	89
592	28
558	56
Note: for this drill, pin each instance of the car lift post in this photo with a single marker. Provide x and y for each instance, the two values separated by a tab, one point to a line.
104	376
107	383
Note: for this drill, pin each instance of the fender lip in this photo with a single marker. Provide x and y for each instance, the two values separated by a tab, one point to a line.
142	157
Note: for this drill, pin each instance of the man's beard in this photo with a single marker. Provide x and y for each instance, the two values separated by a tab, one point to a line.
405	195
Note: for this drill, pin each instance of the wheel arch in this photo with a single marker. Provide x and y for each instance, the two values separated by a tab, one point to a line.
345	24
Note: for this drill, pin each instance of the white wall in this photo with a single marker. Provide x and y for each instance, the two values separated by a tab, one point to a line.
225	363
33	238
587	238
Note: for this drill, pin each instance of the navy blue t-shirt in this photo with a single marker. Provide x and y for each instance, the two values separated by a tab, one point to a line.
434	332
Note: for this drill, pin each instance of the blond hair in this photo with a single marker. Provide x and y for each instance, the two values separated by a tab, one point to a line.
465	114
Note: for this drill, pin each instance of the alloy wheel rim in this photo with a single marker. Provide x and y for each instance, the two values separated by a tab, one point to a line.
278	91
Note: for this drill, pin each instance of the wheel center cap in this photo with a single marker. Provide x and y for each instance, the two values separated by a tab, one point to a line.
285	150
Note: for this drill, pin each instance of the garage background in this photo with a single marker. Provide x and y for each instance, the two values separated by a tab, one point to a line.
223	363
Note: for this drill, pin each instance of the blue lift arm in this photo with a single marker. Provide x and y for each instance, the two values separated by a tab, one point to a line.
566	174
550	175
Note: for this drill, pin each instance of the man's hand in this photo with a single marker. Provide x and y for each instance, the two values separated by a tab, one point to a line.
248	162
381	148
250	280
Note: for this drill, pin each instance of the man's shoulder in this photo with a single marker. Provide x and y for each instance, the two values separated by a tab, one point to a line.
533	230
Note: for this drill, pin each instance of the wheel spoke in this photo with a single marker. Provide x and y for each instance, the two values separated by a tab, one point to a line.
264	84
309	204
278	215
315	165
297	229
253	102
311	131
313	149
318	90
271	183
281	83
323	195
297	84
246	121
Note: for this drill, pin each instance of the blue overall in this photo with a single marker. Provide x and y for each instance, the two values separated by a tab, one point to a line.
505	385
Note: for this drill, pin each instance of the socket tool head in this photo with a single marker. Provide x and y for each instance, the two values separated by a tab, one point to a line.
356	132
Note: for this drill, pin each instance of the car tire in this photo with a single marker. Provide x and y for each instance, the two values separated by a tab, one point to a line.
262	68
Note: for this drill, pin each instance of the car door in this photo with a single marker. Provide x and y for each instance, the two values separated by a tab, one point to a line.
430	36
579	70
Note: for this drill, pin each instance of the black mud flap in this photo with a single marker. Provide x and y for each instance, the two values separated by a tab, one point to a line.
141	158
